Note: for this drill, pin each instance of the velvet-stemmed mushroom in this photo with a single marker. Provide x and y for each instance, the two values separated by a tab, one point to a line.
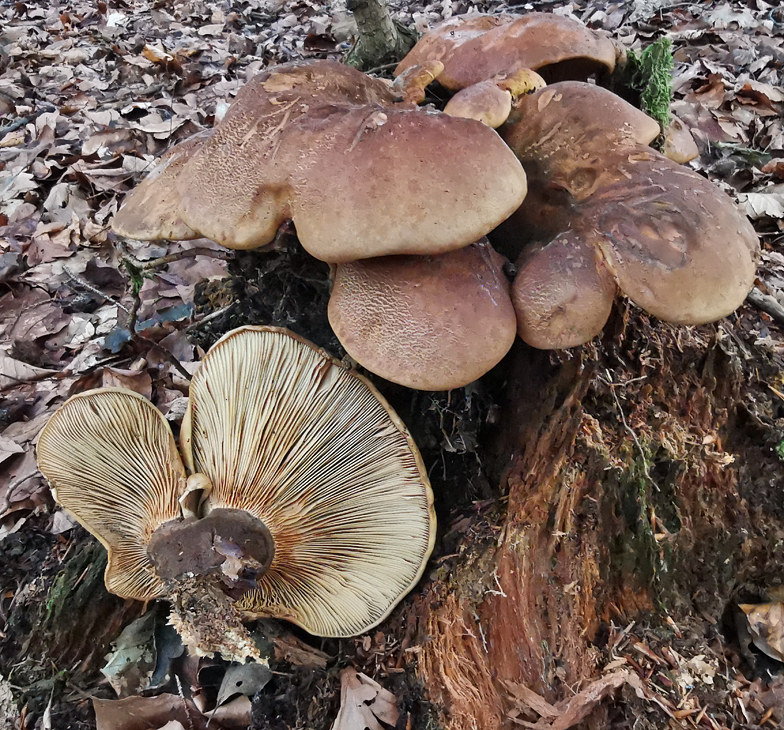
300	494
329	148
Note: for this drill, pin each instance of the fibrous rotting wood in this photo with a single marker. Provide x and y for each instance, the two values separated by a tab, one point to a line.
640	479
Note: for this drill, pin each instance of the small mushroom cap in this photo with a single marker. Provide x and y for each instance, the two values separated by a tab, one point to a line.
411	84
679	145
486	102
570	126
522	81
111	460
562	295
478	47
426	322
152	211
311	449
677	246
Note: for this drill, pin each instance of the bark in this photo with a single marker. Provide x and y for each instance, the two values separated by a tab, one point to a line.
380	39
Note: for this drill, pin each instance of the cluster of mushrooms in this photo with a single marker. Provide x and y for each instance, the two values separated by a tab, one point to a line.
399	197
296	492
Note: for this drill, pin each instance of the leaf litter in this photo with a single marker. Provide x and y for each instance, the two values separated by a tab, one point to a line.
91	93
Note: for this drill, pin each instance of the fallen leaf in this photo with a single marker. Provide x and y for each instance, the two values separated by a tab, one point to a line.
131	665
243	679
363	703
147	713
763	205
766	624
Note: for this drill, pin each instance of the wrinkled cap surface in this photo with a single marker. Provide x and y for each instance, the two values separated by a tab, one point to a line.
677	246
153	211
322	145
478	47
673	242
568	127
112	462
562	294
426	322
313	451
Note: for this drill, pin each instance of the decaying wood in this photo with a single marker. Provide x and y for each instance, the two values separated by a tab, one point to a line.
628	494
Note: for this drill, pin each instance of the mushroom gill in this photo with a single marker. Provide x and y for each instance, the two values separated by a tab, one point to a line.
112	462
313	451
307	498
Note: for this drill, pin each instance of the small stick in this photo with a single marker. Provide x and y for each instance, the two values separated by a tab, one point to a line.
177	256
767	304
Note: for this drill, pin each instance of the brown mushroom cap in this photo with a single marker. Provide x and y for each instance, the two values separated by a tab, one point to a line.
475	48
153	211
673	242
562	294
321	144
570	126
426	322
111	460
677	246
411	85
486	102
679	144
312	450
430	183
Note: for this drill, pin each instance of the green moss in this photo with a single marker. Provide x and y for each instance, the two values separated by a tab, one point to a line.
649	74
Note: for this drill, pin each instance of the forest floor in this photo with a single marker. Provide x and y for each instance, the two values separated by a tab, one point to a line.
90	94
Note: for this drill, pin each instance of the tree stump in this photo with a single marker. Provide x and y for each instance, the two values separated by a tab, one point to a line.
641	484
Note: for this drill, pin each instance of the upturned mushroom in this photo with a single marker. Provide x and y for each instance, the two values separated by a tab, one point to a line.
669	239
302	496
426	322
327	147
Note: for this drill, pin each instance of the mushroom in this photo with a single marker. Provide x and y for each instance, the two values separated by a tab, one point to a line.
426	322
671	241
307	498
475	48
562	293
490	102
154	210
325	146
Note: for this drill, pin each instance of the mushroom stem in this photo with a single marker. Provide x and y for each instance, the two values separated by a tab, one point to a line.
230	545
207	620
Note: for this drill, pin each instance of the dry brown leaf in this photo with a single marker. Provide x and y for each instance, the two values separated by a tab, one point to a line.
136	380
13	372
363	703
147	713
766	624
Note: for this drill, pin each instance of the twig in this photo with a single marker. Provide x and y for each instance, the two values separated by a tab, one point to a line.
172	257
383	67
133	312
209	317
86	285
767	304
